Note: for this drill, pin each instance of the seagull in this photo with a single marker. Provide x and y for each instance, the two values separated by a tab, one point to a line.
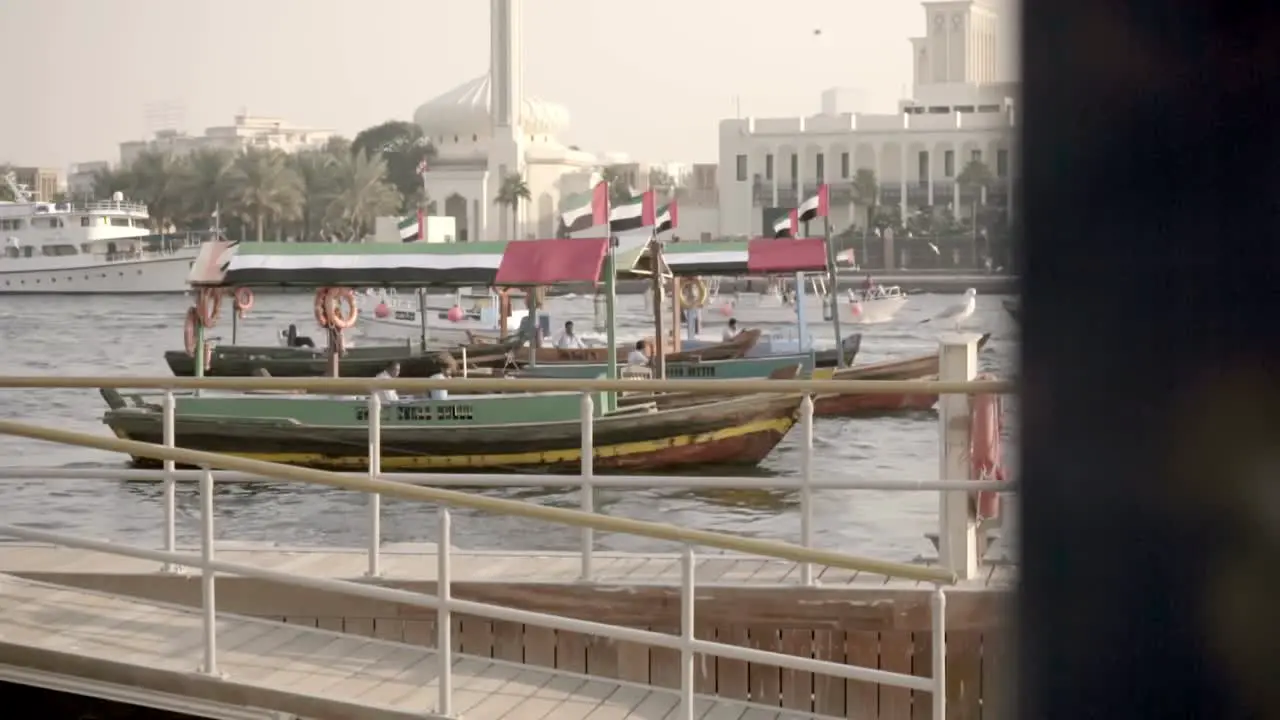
959	312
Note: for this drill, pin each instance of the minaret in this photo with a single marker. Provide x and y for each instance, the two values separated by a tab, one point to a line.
506	101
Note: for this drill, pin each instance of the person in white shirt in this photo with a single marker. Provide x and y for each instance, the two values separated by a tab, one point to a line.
568	340
389	396
440	394
732	331
637	356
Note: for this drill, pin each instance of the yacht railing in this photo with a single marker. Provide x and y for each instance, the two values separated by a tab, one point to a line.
375	484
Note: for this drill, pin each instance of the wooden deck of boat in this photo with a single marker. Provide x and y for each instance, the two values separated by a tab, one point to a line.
303	671
417	562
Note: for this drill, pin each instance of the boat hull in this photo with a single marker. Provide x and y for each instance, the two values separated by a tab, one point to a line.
243	361
855	405
736	369
738	431
167	274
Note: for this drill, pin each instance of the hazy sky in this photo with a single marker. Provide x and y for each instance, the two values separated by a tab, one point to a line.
651	79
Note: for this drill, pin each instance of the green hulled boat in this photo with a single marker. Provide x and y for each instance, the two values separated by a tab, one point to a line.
517	431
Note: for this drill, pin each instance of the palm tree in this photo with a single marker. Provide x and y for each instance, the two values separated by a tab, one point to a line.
157	181
620	190
206	185
109	181
974	179
511	193
364	194
264	188
866	191
6	194
319	173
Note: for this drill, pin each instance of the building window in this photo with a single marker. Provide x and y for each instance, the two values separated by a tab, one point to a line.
844	165
1002	163
949	163
742	168
820	167
923	169
768	166
975	155
795	168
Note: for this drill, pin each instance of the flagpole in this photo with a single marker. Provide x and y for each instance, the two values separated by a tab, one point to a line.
833	289
611	304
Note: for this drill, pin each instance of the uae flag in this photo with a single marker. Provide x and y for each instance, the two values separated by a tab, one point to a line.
787	225
633	213
577	214
668	218
816	206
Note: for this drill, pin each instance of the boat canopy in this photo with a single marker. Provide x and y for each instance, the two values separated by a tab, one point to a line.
763	256
530	262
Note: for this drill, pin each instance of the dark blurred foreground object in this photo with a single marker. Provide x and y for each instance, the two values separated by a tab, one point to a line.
1149	220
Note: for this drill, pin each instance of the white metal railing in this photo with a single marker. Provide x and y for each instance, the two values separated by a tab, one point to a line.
375	484
445	604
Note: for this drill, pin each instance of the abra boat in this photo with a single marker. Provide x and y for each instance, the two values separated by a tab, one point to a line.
729	350
245	360
735	369
919	367
877	304
525	432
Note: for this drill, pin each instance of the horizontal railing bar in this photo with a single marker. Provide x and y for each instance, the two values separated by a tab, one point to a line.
494	612
466	480
500	506
462	385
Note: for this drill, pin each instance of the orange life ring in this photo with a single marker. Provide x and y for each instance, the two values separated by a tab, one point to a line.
209	306
243	299
334	299
189	331
985	461
320	307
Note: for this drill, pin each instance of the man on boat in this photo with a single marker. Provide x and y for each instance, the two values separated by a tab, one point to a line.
389	396
294	340
569	340
731	331
637	356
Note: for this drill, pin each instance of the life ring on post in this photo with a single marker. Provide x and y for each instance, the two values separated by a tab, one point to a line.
985	462
339	319
189	331
320	307
209	306
694	294
242	298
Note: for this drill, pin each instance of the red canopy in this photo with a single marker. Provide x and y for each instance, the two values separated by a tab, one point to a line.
769	255
552	261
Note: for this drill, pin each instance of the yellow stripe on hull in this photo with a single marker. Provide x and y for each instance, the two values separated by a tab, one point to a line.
506	460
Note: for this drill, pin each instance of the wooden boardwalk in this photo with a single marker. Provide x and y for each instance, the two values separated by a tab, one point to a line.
303	671
417	562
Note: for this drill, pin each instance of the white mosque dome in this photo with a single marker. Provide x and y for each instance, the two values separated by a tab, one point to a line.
464	111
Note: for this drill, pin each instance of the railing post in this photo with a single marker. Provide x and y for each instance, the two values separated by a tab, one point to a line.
957	526
170	486
209	604
444	632
587	491
688	598
938	609
375	500
806	485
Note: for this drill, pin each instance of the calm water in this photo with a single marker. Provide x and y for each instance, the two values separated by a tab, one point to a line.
126	336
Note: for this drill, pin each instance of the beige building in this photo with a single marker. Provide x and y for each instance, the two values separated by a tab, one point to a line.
247	131
44	184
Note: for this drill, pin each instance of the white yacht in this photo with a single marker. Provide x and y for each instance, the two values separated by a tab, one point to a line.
98	247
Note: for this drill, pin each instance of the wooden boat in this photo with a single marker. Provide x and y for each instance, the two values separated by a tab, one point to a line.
244	360
735	348
684	399
865	404
737	369
502	432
